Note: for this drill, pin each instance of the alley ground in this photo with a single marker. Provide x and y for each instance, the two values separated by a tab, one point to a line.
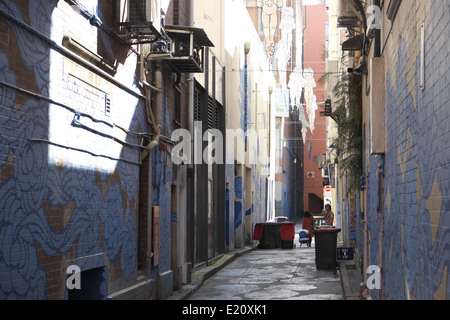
271	274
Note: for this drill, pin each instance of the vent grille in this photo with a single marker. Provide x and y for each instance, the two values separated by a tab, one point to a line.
107	106
212	110
138	11
217	118
197	105
210	113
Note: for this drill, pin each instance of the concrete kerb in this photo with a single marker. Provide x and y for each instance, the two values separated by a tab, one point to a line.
200	275
349	280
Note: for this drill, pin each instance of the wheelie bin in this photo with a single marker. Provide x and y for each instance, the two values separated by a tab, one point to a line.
287	235
271	236
268	234
326	246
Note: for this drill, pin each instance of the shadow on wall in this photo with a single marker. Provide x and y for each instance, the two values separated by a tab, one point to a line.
72	208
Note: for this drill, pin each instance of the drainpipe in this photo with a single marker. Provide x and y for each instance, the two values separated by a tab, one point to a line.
188	247
158	112
377	48
191	90
380	224
270	197
364	293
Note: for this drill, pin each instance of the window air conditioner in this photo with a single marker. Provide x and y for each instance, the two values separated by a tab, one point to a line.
142	13
348	15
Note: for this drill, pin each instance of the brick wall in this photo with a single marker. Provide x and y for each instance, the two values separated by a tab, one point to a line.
416	234
178	13
68	171
315	139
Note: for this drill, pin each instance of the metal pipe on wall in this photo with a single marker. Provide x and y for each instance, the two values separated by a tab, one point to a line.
158	109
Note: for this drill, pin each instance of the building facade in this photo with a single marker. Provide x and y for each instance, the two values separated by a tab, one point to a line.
245	82
70	162
99	201
315	129
399	213
93	207
282	38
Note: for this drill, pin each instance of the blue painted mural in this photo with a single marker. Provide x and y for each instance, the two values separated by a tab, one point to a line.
238	199
235	192
416	219
229	207
288	187
69	205
161	176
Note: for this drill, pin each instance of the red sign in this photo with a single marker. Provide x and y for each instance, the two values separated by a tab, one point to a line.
328	189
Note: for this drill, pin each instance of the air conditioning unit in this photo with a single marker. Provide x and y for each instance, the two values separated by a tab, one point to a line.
160	49
144	12
348	15
185	49
325	173
139	11
142	18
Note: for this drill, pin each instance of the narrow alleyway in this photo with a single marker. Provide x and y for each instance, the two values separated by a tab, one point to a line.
273	274
141	142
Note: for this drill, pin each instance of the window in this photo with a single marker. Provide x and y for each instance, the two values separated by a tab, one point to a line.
92	285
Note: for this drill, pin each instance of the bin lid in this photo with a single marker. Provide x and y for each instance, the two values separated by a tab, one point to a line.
317	230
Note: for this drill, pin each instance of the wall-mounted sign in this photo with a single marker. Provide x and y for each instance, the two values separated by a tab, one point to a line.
280	107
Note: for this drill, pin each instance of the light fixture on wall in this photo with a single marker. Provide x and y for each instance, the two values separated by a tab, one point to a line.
247	47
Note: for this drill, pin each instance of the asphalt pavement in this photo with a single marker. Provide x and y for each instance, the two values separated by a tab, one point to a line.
251	273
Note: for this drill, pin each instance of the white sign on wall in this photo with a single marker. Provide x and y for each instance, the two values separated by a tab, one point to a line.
327	199
311	174
280	106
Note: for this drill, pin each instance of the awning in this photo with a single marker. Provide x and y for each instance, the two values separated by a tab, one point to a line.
186	55
183	33
353	44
